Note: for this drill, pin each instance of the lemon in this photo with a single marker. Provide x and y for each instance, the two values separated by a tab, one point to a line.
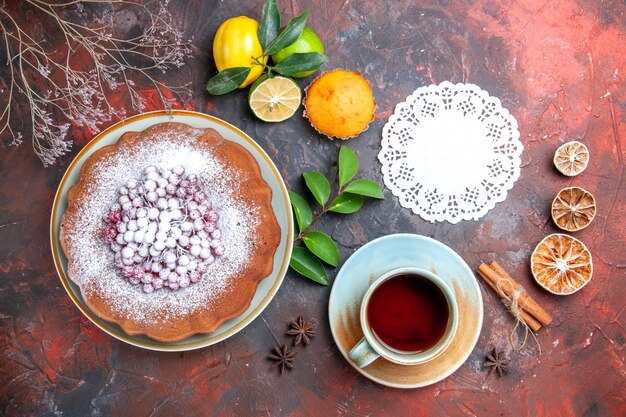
307	42
571	158
236	44
561	264
274	99
573	209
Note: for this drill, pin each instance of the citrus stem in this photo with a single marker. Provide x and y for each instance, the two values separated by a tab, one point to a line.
268	68
258	62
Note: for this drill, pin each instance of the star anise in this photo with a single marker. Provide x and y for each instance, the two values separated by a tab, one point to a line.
497	361
303	331
282	357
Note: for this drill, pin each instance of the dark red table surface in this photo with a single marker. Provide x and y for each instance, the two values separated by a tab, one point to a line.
558	66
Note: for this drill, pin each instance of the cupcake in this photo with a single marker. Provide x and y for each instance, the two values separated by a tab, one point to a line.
339	104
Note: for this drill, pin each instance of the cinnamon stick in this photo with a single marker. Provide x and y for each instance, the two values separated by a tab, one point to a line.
530	320
505	286
527	302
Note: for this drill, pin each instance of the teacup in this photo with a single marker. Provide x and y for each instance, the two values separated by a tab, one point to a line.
408	315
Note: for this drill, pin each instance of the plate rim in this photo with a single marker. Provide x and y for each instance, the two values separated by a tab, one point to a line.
154	345
382	381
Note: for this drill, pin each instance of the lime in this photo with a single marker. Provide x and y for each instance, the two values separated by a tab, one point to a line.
274	99
307	42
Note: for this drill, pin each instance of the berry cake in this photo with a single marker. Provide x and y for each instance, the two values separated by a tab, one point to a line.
169	231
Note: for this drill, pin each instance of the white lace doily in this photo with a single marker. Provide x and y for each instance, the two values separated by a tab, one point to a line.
450	152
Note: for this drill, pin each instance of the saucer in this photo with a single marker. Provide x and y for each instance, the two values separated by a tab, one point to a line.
395	251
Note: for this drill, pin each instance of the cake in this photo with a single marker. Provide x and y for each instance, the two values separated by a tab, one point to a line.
339	104
169	231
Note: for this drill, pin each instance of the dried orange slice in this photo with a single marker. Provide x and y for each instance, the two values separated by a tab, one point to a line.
573	209
571	158
561	264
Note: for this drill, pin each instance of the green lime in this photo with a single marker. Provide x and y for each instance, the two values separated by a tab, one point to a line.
307	42
274	99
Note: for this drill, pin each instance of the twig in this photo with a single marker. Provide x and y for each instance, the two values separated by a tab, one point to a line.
319	215
73	96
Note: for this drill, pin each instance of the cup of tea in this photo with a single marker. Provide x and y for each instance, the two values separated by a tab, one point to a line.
409	316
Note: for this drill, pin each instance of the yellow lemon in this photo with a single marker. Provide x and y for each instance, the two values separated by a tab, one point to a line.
236	44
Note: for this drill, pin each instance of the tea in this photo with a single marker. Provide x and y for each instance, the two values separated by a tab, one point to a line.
408	313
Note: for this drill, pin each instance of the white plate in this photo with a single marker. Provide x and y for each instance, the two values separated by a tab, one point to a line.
280	204
396	251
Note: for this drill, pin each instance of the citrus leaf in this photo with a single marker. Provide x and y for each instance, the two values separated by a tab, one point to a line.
365	187
319	186
296	63
270	23
348	165
301	208
322	246
304	263
227	80
346	203
289	35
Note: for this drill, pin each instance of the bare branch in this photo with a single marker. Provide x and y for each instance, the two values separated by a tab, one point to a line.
76	94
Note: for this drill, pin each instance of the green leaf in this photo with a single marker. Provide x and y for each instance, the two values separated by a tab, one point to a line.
289	35
227	80
365	187
319	186
346	203
270	23
348	165
322	246
296	63
301	208
304	263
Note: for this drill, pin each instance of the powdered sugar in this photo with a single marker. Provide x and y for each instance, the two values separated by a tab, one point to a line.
92	258
163	230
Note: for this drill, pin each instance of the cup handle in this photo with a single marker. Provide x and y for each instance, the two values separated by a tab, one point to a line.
362	354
